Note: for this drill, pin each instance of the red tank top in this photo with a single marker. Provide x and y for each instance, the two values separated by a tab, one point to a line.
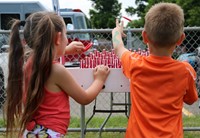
54	111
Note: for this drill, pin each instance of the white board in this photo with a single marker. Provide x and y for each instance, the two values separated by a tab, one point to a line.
116	81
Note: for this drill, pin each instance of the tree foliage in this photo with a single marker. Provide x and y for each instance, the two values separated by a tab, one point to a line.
104	13
191	10
139	11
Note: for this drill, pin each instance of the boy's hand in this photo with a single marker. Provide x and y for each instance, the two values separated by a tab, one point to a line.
120	28
117	34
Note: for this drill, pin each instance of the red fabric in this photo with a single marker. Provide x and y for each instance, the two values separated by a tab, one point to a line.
159	86
54	111
31	125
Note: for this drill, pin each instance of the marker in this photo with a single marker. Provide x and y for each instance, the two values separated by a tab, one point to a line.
126	18
88	47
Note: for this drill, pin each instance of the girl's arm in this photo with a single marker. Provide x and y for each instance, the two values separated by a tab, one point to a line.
65	81
74	47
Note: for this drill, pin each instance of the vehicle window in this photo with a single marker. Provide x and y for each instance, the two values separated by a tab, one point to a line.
5	25
81	21
67	20
89	26
27	14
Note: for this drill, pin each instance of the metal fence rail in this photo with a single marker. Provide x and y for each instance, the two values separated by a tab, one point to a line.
101	39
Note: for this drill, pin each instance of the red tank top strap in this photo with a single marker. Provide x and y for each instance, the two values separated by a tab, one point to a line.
54	62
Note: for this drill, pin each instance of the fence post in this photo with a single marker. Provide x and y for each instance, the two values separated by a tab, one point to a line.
129	45
82	121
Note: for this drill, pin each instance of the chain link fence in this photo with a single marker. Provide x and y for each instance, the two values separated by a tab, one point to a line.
107	103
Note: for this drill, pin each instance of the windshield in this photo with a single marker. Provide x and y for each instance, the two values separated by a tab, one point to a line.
81	21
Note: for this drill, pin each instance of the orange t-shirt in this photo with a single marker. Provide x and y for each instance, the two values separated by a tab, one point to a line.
159	86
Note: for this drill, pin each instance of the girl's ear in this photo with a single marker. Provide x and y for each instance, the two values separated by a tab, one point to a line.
179	42
58	38
144	36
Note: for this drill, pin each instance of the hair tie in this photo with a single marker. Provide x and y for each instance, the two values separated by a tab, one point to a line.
22	23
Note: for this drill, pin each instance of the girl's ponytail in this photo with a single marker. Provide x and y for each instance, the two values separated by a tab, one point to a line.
14	89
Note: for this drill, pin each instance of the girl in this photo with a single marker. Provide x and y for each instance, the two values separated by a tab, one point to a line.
38	91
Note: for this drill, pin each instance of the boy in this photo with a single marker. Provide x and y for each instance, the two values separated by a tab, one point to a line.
159	84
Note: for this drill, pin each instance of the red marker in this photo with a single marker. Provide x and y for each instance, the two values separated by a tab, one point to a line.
126	18
88	46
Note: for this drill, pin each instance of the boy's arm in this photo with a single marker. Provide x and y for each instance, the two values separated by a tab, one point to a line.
118	44
191	94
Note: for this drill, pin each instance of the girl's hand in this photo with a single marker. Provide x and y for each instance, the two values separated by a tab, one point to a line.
101	73
74	47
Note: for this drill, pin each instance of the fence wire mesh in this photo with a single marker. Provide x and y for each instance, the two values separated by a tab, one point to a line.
101	40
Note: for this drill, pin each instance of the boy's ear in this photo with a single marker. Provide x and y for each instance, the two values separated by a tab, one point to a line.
144	36
58	38
179	42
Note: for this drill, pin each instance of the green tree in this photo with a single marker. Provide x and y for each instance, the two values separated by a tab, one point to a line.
191	10
104	13
139	11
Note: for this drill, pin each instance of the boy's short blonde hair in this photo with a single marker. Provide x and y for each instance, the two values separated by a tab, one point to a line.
164	23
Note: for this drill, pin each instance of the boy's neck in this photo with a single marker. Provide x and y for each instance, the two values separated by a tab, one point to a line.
161	51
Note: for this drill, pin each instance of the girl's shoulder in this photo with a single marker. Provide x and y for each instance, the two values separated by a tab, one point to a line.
59	71
58	75
56	66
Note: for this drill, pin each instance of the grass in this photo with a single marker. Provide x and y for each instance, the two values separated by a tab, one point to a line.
192	121
96	122
119	122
